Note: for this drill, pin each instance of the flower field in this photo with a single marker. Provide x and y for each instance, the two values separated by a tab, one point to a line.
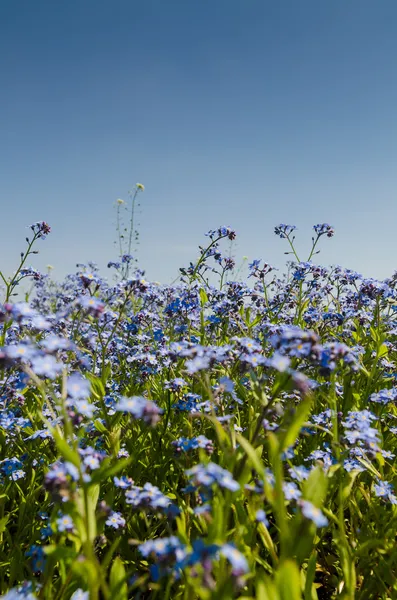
217	438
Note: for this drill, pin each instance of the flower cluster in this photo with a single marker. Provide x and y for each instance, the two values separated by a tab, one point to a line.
181	440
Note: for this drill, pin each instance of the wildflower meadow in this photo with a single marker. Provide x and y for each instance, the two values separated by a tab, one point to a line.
229	436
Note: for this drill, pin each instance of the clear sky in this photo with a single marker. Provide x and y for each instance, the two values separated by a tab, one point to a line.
231	112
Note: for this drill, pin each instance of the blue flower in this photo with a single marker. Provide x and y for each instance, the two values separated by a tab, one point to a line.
236	558
176	384
41	229
313	513
249	345
65	523
186	444
36	553
384	396
210	474
8	466
201	553
353	465
300	473
199	363
78	387
283	230
114	264
254	359
47	366
80	595
19	474
53	343
149	496
115	520
23	592
384	490
21	351
46	532
91	461
94	306
162	548
202	509
291	491
140	408
279	362
123	482
324	228
260	516
85	408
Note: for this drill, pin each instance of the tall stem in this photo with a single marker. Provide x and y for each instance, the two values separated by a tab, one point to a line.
127	268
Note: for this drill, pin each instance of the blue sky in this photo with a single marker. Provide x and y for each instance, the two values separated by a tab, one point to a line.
237	112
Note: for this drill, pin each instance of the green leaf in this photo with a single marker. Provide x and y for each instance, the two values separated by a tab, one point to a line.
99	426
310	590
60	552
105	562
288	581
277	500
118	584
3	523
299	418
266	589
16	566
106	372
252	454
87	571
374	334
315	487
347	484
93	495
268	542
65	450
366	547
97	386
203	297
